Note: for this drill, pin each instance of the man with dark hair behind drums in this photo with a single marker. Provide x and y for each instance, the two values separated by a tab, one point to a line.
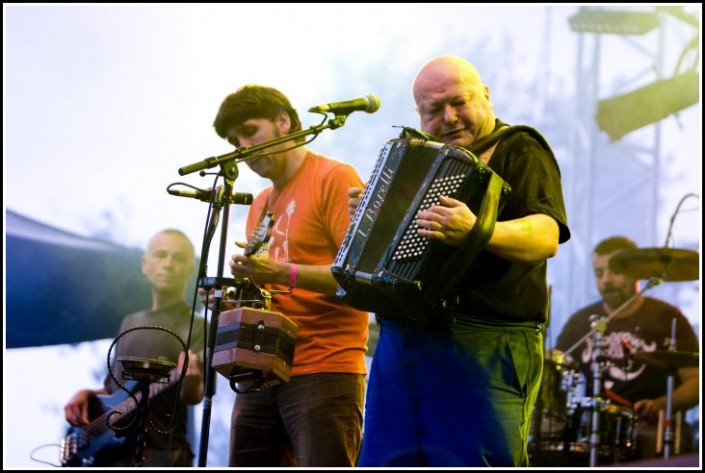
635	343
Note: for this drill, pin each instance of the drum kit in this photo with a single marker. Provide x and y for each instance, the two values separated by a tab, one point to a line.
573	428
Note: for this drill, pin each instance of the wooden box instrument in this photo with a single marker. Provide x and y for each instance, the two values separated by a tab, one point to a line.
254	345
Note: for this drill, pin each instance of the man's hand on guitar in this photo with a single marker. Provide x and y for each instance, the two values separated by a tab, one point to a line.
76	411
260	269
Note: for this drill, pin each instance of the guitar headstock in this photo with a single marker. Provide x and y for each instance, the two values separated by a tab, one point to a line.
261	234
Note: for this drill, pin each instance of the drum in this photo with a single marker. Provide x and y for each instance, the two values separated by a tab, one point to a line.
617	436
560	383
617	432
620	433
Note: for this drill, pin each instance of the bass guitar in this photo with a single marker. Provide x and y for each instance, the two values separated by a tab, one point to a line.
96	443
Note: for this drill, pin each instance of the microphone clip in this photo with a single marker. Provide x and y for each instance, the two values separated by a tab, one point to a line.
216	195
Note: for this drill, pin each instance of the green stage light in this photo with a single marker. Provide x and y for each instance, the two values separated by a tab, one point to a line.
617	22
620	115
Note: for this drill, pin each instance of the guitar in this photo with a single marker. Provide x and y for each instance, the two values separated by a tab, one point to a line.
261	235
248	293
96	443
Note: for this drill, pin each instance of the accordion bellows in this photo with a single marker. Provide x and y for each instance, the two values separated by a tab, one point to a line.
383	265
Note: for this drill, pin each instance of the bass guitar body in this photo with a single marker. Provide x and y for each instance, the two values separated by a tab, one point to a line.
96	444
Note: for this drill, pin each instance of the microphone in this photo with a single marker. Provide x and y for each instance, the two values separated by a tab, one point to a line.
369	103
204	195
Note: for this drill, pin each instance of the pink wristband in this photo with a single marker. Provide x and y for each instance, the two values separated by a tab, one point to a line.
293	274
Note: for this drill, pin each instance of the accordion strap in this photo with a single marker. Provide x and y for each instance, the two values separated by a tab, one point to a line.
485	143
480	234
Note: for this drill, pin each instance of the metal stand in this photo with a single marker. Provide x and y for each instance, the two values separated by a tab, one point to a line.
146	371
668	427
596	402
141	437
230	172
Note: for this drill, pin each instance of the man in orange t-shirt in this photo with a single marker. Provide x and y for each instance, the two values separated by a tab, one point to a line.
317	415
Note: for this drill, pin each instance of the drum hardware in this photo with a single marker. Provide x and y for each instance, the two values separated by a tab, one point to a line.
670	359
656	265
594	403
597	331
608	431
599	324
570	386
558	386
668	434
668	428
663	264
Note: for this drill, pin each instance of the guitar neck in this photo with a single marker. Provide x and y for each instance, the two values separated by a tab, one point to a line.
261	234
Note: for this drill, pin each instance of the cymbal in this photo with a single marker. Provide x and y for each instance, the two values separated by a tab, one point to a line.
667	359
670	264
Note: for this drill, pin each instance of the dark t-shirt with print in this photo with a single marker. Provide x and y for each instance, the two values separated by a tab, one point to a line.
646	330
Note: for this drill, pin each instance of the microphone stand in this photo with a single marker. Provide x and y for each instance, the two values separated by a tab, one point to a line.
230	173
228	163
673	217
668	431
244	154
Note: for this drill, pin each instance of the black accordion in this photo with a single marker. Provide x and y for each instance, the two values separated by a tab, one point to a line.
383	265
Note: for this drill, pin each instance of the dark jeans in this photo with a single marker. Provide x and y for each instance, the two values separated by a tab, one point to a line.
317	417
461	399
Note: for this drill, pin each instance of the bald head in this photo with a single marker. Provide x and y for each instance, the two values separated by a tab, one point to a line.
168	263
444	69
453	104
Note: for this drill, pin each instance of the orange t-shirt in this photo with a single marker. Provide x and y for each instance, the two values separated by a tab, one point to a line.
311	219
